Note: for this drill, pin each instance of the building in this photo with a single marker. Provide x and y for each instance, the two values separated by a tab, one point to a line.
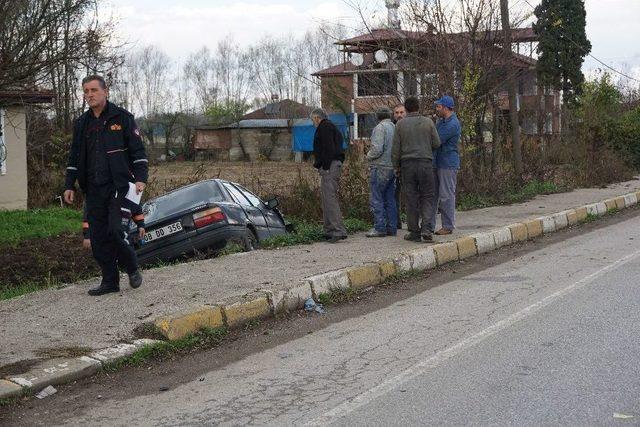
13	145
386	65
275	132
262	139
285	109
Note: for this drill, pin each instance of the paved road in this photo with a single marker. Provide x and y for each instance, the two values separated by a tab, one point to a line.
53	320
549	338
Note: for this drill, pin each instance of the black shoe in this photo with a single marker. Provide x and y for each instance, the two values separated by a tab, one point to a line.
135	279
427	237
335	239
104	288
412	237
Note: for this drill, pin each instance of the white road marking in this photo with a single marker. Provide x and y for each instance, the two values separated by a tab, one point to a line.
431	362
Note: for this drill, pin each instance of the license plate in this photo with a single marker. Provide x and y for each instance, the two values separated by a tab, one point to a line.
165	231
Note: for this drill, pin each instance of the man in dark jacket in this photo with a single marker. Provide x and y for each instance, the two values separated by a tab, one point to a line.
329	156
106	155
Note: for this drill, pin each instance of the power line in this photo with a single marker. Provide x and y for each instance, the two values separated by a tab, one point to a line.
592	56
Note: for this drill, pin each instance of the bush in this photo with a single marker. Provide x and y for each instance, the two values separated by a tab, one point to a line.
623	134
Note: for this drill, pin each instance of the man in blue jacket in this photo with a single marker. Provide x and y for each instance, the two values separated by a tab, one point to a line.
446	163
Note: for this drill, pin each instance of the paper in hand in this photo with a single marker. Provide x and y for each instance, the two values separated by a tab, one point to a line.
133	195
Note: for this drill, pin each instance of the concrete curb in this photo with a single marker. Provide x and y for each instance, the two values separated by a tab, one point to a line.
64	370
236	312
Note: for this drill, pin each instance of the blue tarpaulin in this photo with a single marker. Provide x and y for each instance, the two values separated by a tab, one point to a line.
303	131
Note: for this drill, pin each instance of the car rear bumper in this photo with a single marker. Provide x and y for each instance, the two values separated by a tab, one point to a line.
216	239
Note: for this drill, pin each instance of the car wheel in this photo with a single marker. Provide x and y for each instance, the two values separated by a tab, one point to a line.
250	241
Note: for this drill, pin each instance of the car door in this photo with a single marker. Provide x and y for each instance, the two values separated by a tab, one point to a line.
274	220
253	213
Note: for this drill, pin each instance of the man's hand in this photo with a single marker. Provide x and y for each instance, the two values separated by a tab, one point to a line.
86	244
69	195
141	233
140	187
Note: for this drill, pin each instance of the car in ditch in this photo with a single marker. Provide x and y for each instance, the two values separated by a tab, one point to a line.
205	216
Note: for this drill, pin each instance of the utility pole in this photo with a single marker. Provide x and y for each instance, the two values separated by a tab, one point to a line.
511	82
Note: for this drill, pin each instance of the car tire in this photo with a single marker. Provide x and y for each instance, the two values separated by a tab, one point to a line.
250	242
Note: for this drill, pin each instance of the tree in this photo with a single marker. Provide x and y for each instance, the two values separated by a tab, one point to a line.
563	45
52	44
513	110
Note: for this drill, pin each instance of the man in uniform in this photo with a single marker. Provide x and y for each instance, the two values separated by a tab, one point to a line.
106	155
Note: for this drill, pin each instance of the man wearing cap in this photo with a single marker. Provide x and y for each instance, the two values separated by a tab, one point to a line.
446	162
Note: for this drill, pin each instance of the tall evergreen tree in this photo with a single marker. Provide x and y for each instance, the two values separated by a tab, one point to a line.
562	46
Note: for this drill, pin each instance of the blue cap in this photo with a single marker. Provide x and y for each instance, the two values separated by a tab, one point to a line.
446	101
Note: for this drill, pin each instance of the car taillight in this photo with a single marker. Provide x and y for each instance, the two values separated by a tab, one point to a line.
208	217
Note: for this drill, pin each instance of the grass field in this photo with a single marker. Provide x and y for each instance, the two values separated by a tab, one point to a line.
19	226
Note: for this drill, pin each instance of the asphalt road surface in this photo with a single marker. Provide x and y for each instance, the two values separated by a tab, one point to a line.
546	336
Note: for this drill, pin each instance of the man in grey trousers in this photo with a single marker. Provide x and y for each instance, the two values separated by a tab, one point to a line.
329	156
446	165
414	141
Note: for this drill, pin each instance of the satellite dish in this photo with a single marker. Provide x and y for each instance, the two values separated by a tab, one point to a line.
357	59
381	56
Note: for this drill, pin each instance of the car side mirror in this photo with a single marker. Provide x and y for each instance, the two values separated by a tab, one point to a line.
273	203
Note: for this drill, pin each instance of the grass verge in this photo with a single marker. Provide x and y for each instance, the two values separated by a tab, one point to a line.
27	288
469	201
309	232
205	338
19	226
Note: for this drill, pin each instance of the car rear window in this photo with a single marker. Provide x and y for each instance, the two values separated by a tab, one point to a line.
181	200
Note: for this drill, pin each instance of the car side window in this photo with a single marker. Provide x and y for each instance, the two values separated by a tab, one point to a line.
237	195
253	199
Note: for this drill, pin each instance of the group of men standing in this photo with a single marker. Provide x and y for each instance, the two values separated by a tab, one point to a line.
411	158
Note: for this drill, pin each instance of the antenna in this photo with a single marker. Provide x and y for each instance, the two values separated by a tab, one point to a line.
381	56
357	59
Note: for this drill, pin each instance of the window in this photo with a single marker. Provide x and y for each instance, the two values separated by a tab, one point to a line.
377	84
410	84
236	194
253	199
366	123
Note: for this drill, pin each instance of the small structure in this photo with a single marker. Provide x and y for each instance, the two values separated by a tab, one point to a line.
285	109
263	139
250	140
13	144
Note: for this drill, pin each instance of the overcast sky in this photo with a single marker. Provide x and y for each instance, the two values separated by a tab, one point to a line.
182	27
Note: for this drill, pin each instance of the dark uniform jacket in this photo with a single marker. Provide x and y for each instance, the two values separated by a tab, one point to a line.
327	145
118	141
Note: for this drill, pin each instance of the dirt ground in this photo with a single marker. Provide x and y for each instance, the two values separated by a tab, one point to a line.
48	261
263	178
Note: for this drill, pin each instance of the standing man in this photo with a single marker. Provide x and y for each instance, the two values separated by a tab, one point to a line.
329	156
107	154
413	144
446	165
399	113
382	177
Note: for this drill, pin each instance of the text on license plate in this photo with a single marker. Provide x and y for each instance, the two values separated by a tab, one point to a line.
165	231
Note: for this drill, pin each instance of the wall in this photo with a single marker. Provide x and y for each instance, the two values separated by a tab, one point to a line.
336	93
258	142
13	185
